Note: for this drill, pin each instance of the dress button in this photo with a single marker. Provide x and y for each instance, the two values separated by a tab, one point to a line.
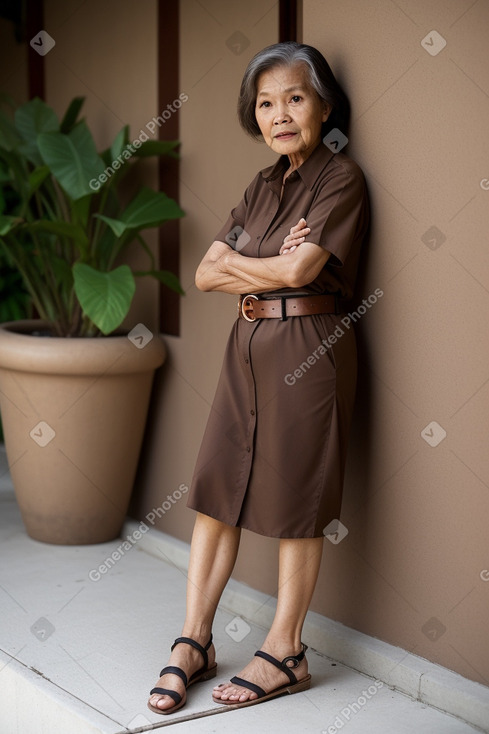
248	449
252	412
246	360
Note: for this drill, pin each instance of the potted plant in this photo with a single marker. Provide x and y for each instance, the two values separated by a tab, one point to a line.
74	386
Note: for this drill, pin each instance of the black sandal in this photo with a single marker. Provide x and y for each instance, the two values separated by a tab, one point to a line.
293	687
204	673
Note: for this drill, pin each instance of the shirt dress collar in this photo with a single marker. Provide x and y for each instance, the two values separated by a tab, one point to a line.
309	171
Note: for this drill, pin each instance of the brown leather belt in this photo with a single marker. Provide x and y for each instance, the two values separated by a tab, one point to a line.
251	308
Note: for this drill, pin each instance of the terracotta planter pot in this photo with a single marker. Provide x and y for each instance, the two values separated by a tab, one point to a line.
74	412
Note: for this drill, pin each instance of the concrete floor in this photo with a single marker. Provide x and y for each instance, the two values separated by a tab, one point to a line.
79	656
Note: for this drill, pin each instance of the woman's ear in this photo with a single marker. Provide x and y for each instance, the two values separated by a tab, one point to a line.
326	111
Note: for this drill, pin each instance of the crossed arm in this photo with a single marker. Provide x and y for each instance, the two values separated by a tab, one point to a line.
225	269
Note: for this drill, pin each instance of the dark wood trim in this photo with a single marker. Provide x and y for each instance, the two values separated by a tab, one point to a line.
34	22
287	24
169	168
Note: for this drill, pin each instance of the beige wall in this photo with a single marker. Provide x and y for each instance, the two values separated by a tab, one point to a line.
416	514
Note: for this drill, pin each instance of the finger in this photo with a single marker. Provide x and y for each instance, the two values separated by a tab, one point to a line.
296	239
285	249
300	224
293	240
298	234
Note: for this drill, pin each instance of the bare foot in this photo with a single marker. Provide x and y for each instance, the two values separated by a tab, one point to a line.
190	660
261	673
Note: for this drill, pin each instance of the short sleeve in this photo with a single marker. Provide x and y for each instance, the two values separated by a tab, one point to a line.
339	212
234	225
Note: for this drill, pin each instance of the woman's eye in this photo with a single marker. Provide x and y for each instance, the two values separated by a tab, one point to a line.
265	104
296	98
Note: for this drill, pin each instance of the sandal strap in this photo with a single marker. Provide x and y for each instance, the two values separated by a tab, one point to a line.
166	692
282	665
175	671
197	646
247	684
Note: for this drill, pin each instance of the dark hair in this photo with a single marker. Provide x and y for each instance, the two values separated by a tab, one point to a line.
321	79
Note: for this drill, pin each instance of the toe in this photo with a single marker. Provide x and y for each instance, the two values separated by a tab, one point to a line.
231	693
247	695
226	692
160	702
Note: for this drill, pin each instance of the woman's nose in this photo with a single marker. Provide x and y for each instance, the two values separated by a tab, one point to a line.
280	117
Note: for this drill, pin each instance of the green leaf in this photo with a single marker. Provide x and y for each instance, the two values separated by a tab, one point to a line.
7	223
157	147
58	227
73	159
148	209
120	142
104	297
80	211
166	277
106	244
36	178
69	120
117	227
33	118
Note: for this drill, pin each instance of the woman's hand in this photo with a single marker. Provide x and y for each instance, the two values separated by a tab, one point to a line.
297	235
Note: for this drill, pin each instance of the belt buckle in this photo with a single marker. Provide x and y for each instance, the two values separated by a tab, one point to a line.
243	306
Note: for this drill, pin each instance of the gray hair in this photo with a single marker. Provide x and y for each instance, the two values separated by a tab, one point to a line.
321	79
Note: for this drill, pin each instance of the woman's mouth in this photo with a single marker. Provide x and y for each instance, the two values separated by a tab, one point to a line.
285	136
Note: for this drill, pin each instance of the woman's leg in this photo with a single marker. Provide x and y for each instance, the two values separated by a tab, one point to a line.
212	557
299	562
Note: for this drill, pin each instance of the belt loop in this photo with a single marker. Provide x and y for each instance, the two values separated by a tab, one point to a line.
283	303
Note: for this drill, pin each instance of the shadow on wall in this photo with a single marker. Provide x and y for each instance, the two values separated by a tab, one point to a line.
360	449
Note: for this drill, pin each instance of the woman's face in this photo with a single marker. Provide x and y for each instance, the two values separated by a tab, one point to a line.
289	112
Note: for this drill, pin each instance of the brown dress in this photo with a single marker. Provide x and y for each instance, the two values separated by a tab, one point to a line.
273	454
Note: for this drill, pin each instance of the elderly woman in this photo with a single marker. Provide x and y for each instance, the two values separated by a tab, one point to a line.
273	454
